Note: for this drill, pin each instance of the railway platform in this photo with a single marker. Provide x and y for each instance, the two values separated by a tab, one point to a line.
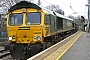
80	50
75	47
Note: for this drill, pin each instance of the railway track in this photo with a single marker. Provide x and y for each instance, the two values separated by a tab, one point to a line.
4	54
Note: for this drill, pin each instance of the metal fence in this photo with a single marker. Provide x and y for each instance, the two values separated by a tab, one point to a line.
3	33
3	36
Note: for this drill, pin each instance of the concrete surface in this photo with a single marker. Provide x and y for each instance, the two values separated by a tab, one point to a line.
80	49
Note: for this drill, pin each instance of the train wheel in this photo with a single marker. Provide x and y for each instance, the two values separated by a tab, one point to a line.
17	51
35	48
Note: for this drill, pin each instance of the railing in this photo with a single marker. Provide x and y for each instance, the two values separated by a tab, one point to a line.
3	39
3	36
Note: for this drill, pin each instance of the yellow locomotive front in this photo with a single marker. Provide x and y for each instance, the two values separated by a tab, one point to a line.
25	29
25	26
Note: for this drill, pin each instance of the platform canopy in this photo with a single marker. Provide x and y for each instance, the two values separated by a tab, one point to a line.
24	4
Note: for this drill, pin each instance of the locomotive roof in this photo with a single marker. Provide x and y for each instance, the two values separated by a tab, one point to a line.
62	16
56	14
24	4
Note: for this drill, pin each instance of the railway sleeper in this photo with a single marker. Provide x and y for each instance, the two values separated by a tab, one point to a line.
2	50
4	53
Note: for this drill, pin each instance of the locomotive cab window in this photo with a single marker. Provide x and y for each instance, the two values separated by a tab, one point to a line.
47	20
15	19
33	18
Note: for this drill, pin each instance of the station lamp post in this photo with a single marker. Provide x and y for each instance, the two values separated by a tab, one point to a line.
88	17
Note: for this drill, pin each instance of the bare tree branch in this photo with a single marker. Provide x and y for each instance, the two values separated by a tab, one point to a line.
55	8
8	3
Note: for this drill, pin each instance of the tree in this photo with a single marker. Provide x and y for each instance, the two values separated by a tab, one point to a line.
77	19
6	4
72	17
55	8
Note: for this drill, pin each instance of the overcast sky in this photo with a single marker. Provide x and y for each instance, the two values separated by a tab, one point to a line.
77	5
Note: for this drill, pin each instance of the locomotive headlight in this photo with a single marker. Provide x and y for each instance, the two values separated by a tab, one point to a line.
13	36
10	38
38	38
35	37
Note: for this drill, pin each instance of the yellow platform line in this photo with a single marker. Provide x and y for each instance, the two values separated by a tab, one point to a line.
67	48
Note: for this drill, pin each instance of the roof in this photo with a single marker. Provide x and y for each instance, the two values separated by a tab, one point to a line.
56	14
24	4
47	11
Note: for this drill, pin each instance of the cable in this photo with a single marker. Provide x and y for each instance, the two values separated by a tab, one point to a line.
47	2
72	9
51	4
68	6
64	3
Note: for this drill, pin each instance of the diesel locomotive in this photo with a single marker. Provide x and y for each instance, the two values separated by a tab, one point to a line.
29	26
